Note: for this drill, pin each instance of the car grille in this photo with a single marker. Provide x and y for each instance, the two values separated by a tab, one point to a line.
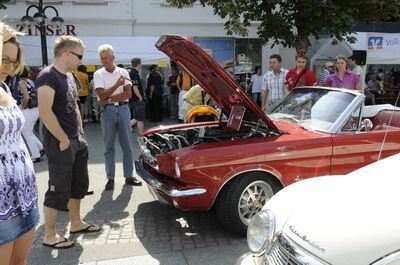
285	252
280	256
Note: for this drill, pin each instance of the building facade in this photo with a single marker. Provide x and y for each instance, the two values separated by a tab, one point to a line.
106	19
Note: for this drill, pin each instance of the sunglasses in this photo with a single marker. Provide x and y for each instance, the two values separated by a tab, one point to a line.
80	56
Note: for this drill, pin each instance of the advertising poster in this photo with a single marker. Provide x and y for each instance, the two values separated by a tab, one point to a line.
221	49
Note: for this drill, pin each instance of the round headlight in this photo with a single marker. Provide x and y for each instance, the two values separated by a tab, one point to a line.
261	231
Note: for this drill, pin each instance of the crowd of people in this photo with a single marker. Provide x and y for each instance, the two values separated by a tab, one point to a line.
53	97
64	96
343	73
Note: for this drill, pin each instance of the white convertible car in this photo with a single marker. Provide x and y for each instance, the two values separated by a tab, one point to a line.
339	220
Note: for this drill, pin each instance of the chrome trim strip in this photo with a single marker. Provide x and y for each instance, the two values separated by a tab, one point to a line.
388	259
249	259
157	185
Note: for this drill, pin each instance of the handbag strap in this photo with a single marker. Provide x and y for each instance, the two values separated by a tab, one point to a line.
299	76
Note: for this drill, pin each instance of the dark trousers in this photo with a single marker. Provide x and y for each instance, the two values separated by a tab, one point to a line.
156	108
68	171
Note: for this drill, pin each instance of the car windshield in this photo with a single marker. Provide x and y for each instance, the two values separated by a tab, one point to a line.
313	108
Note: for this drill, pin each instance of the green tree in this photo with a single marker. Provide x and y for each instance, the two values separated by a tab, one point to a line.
292	22
2	4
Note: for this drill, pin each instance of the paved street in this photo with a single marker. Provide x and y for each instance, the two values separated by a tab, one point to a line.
136	229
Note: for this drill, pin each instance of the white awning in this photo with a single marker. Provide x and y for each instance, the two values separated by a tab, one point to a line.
125	49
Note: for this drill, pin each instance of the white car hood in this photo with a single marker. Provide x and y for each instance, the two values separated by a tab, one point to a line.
352	219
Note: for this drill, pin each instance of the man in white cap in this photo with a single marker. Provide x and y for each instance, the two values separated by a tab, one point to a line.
328	70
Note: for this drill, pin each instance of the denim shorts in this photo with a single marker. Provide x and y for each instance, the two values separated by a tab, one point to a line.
12	229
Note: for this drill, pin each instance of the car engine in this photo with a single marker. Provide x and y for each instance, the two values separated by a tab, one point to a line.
163	142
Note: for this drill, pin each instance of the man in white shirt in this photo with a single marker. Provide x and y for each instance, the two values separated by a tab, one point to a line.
273	85
114	91
355	67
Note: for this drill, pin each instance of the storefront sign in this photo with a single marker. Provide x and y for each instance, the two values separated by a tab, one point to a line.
384	41
51	30
383	48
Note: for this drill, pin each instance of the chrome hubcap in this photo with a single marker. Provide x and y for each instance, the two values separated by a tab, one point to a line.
253	199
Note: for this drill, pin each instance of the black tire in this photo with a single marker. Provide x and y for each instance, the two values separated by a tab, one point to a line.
227	205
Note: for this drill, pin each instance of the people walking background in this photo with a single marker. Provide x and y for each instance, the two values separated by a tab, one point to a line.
184	82
328	70
273	85
174	93
300	75
83	92
137	103
343	77
30	110
156	90
256	84
194	97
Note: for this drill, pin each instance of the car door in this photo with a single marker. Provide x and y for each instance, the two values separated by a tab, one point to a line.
356	149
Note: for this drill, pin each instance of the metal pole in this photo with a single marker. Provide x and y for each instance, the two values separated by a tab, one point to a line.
43	35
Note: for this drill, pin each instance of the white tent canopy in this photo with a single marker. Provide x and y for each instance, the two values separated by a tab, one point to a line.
382	48
125	49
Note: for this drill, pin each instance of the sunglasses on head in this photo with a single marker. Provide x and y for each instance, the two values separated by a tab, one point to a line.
80	56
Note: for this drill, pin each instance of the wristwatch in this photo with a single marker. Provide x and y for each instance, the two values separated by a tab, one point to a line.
110	100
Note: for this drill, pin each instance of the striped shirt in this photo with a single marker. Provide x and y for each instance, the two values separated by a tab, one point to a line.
275	85
323	76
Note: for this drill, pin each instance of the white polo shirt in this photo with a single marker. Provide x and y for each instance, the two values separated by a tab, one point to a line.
104	79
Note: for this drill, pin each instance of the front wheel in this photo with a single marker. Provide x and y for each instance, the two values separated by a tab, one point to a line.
243	198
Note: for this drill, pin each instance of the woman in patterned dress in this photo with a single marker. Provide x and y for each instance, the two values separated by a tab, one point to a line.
18	192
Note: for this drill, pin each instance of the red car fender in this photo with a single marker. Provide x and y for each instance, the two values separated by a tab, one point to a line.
247	169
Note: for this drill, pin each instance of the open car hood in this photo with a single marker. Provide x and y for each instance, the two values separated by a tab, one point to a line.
225	92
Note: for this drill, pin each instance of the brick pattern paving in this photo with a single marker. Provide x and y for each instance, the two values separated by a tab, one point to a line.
164	233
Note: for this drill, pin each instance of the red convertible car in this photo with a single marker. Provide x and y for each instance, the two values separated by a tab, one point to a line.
237	163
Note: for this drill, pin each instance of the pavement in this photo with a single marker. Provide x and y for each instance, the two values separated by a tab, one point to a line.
136	229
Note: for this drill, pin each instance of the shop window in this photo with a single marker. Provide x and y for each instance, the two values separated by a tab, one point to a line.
248	55
221	49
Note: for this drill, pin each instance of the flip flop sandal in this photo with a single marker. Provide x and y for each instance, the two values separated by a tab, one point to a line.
86	230
57	244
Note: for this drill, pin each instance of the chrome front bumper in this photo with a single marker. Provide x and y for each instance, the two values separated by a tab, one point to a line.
158	186
250	259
